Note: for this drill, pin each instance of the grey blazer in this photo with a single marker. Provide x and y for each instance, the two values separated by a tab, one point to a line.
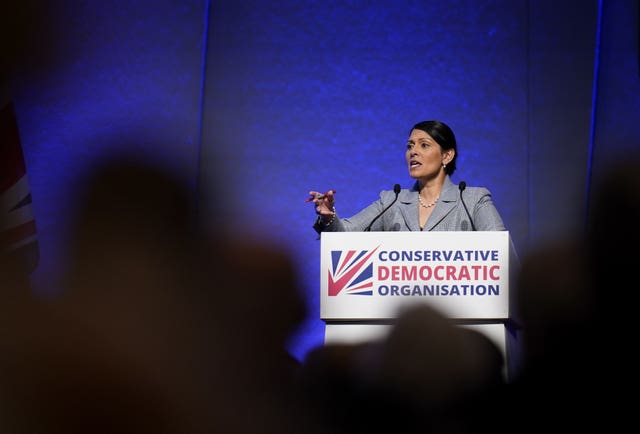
447	215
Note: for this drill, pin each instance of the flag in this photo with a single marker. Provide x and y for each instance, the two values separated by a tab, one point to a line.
18	236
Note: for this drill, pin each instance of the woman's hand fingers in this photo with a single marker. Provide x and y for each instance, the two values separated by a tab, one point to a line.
324	202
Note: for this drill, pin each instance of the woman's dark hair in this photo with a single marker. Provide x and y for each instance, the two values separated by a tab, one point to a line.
443	135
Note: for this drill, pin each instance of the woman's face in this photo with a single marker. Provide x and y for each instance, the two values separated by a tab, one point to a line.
424	155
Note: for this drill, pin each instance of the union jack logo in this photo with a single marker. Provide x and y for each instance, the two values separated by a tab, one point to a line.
352	272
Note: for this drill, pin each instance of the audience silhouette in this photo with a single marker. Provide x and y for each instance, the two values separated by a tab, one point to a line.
167	327
162	327
578	320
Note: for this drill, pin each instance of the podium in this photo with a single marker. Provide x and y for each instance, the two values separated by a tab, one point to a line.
367	278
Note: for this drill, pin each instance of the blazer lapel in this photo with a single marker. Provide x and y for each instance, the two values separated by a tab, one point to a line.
409	209
446	204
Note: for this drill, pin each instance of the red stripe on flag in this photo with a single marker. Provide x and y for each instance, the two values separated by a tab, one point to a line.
17	233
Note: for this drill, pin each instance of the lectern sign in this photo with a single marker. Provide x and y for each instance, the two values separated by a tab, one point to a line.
370	275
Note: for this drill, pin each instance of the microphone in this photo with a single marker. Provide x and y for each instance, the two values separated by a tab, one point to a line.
396	190
462	186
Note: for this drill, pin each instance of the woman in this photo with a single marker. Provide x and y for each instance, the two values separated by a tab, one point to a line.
434	203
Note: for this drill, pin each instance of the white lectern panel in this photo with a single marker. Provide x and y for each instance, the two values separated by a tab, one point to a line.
371	275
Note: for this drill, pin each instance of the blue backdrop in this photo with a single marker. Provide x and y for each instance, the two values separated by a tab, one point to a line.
258	102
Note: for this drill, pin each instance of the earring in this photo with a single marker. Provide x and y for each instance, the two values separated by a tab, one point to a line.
444	165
